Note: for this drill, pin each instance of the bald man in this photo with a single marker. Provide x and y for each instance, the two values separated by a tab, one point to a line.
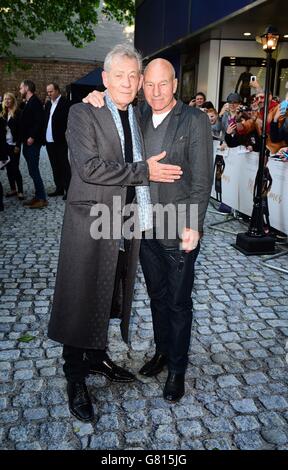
168	256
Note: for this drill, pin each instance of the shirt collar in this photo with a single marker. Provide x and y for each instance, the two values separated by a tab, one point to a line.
57	99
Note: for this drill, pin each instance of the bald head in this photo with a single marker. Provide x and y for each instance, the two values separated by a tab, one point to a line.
162	65
159	85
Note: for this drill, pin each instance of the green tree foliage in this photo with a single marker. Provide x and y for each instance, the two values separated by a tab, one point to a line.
75	18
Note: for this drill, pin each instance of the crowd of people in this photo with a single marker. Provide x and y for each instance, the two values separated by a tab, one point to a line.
29	125
238	124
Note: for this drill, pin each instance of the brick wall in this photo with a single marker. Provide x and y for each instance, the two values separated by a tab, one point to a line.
43	72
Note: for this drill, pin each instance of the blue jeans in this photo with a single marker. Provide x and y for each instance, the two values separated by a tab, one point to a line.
31	154
169	276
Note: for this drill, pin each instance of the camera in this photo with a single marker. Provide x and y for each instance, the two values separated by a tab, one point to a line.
243	108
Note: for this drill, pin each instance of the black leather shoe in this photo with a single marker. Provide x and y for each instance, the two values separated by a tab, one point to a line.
174	388
114	373
80	404
56	193
154	366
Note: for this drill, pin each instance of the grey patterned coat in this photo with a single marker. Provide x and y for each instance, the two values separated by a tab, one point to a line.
86	270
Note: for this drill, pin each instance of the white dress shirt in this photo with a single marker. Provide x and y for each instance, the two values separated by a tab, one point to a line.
9	136
49	135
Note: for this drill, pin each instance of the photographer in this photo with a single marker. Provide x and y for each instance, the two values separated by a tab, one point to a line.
243	131
228	112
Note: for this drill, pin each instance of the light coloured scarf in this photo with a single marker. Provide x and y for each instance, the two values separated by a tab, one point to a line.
145	212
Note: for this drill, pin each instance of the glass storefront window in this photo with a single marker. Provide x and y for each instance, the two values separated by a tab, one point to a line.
188	83
236	73
282	82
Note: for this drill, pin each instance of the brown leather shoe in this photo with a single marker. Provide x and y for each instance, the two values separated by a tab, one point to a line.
38	204
30	202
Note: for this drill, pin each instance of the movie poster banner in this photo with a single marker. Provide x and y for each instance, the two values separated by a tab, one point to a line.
238	170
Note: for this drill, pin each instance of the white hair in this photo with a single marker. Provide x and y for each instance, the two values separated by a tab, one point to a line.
122	50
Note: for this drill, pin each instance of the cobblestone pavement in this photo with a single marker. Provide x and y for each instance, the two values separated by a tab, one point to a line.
236	388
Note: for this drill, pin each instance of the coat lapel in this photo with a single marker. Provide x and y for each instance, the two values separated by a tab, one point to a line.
108	123
144	120
140	134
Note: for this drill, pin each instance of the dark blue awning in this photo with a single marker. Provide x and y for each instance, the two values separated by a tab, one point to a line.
80	88
93	78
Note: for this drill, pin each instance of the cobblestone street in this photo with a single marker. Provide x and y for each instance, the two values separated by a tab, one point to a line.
236	383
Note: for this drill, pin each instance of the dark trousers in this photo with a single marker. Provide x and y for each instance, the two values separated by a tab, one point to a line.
13	172
32	154
1	196
120	276
77	360
169	276
58	156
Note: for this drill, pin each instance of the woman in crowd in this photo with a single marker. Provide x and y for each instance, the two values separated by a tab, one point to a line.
279	125
10	118
228	113
240	133
3	159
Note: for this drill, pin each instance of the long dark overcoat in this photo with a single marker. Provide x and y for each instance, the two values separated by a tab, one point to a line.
86	270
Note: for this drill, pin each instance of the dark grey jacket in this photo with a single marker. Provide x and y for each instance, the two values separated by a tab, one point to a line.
87	267
188	143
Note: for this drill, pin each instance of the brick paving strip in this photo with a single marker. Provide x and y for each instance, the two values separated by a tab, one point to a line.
236	386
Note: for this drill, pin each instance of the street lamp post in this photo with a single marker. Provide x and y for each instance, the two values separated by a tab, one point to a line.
255	241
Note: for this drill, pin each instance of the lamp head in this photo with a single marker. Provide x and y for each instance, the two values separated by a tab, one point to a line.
269	39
